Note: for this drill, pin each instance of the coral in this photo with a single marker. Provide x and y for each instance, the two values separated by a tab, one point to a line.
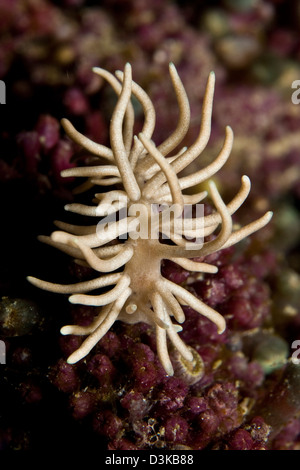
18	316
47	53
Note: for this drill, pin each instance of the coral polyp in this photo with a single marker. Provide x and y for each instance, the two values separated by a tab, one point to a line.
127	251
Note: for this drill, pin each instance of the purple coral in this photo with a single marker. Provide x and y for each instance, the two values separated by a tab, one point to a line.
47	49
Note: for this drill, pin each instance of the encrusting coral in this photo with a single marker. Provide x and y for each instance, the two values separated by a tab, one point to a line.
146	177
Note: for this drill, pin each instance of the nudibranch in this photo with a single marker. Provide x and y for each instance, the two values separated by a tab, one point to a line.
130	239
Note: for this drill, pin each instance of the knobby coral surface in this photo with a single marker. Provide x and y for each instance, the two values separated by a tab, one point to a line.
128	249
